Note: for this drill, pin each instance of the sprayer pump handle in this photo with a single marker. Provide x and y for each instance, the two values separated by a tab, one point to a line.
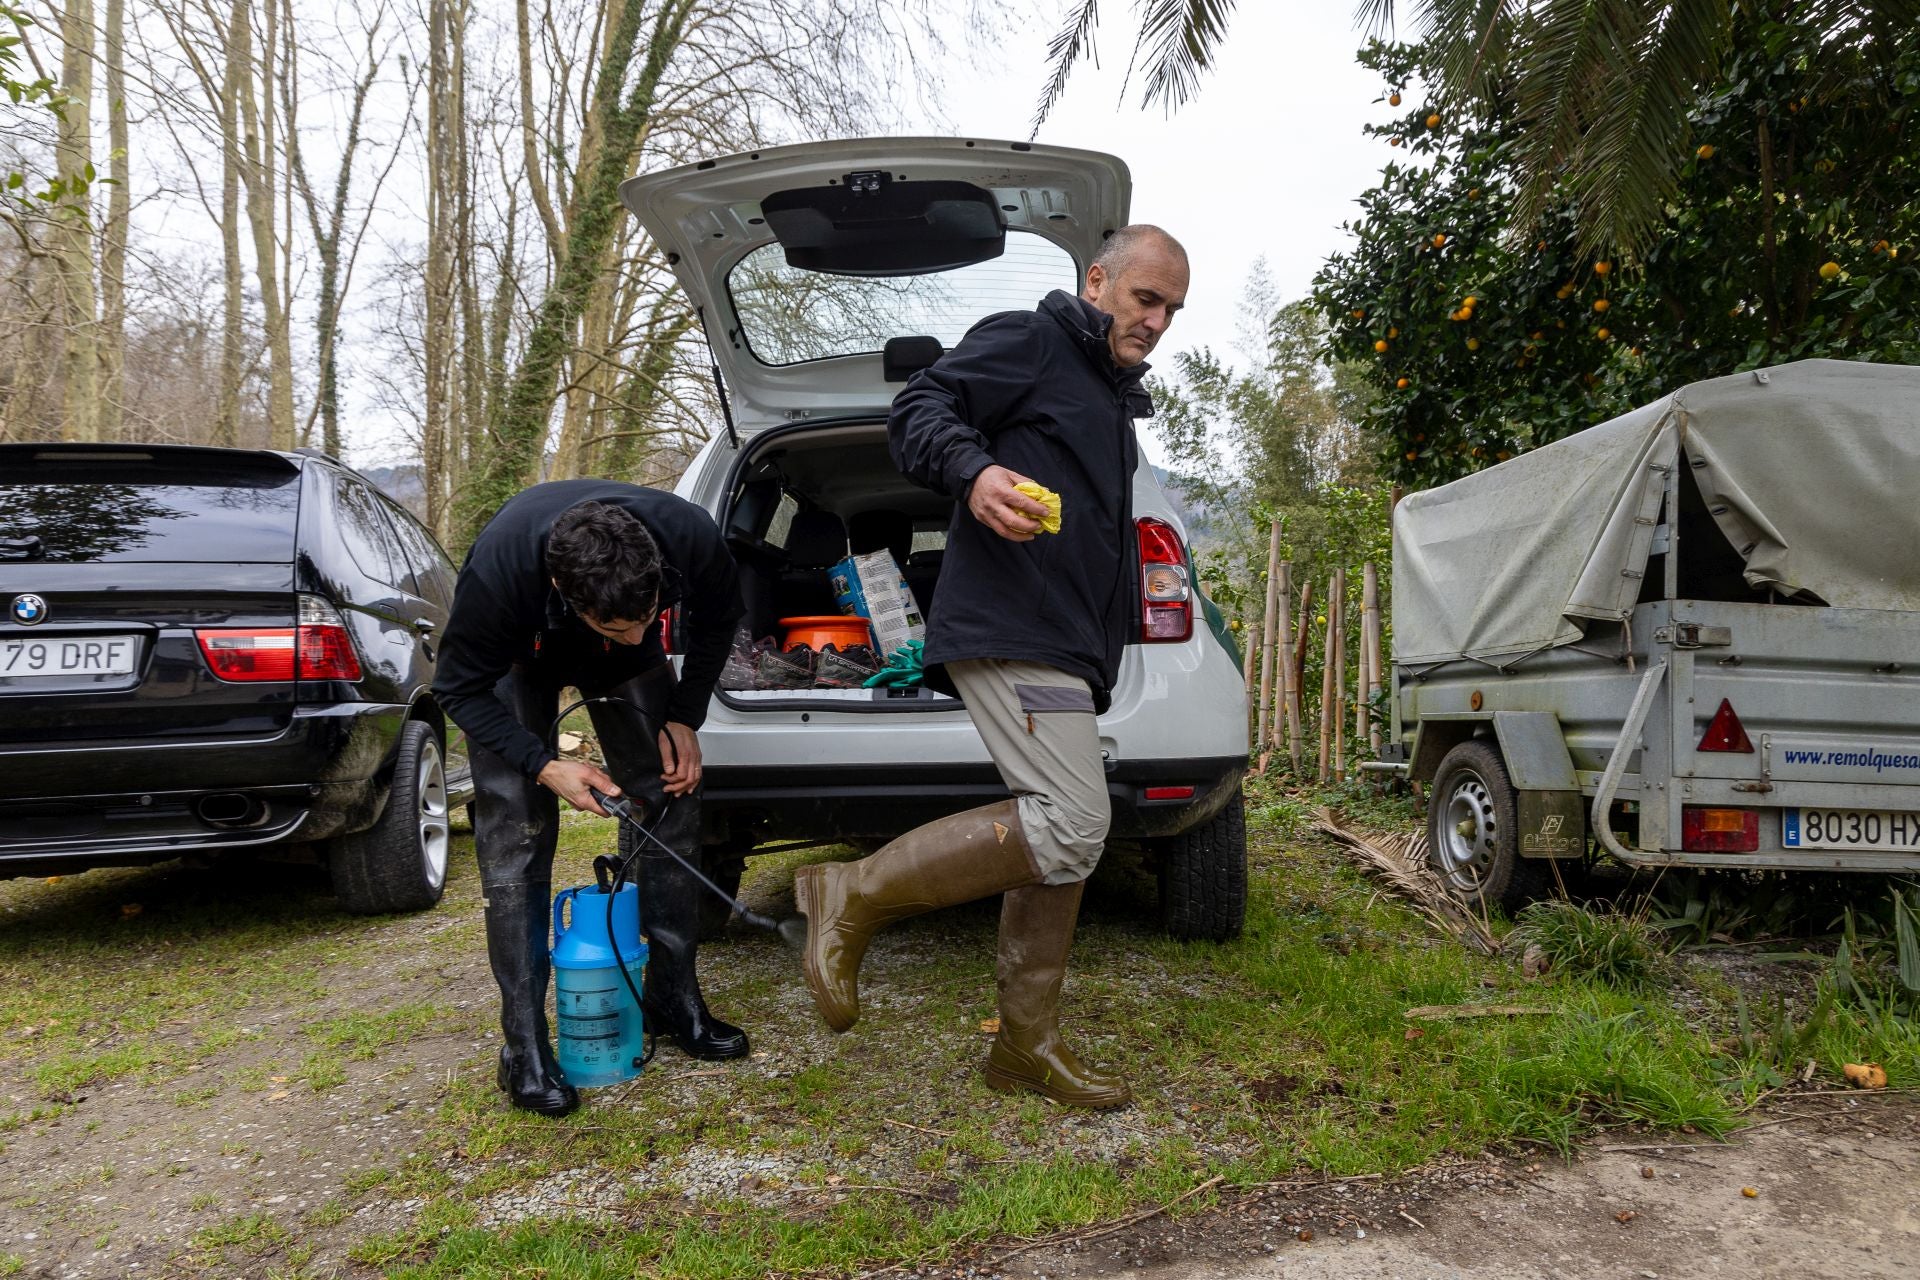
618	806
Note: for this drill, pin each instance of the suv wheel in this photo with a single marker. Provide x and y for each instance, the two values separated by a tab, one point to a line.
400	862
1203	876
1472	823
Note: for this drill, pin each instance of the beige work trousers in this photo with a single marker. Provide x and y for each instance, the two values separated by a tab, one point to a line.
1039	727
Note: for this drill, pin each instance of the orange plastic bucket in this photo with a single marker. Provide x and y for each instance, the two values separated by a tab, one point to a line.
840	630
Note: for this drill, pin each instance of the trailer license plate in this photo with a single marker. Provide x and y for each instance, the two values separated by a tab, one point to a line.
1850	829
55	656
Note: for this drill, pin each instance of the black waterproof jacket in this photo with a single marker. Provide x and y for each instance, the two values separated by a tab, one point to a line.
1036	392
506	611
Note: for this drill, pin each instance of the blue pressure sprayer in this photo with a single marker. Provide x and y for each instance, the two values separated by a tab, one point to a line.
600	951
599	963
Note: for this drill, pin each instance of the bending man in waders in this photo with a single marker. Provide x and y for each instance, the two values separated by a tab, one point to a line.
1029	631
564	588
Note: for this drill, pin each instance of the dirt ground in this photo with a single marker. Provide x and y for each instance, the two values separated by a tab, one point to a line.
1837	1179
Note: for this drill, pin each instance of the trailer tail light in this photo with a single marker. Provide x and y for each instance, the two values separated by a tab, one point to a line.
1726	733
319	648
1704	830
1166	598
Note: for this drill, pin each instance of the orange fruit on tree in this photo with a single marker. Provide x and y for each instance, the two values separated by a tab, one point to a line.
1881	247
1602	268
1393	99
1474	194
1829	270
1393	142
1470	302
1433	121
1392	332
1601	304
1403	383
1473	344
1704	151
1439	238
1360	313
1603	333
1381	346
1411	455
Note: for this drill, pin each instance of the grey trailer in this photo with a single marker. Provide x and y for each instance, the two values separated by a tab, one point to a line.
1686	637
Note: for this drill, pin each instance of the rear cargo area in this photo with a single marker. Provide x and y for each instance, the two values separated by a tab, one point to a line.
802	503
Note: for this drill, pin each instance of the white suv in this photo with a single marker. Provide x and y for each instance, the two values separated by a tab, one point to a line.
825	275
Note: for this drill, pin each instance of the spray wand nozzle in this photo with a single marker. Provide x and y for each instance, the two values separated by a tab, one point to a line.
792	930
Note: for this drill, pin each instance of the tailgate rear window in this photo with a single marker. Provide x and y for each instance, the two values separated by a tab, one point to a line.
94	505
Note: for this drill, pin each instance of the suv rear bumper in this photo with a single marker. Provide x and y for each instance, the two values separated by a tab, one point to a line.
130	804
836	801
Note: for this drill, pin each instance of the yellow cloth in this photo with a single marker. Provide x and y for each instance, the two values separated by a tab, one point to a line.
1050	522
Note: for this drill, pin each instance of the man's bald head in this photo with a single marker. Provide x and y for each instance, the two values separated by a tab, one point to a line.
1140	279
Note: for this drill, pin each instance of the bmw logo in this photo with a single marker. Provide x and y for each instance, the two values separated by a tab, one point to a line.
29	609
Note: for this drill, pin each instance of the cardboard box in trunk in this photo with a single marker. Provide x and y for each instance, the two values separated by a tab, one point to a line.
870	586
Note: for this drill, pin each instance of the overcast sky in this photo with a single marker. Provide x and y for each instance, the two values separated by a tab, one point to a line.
1266	162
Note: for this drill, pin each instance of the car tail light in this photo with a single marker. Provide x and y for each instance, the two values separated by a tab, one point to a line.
1726	733
262	653
1166	599
326	649
1704	830
319	648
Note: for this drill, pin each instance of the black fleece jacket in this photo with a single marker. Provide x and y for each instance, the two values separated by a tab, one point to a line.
506	611
1037	392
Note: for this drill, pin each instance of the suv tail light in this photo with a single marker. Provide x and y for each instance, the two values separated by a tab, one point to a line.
319	648
1166	599
1726	733
1704	830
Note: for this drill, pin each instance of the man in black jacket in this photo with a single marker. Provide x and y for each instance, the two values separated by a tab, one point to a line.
1029	631
564	588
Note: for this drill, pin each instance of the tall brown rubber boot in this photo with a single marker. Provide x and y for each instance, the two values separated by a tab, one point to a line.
948	861
1036	932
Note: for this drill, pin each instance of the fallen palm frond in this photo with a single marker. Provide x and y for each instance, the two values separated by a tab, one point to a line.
1400	863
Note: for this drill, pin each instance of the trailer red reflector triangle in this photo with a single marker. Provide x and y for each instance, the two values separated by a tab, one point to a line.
1726	733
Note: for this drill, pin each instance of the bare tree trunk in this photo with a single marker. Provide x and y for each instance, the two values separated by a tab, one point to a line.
519	430
443	166
259	174
73	236
233	357
113	249
328	227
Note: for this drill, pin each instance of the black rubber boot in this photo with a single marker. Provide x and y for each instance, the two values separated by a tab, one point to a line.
517	916
670	901
670	897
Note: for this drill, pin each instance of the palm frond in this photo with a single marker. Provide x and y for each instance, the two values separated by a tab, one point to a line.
1399	863
1180	38
1063	54
1626	164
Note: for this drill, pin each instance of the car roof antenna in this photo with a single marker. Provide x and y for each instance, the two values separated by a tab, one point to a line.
719	383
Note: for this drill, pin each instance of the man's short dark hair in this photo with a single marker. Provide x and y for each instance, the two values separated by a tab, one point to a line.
605	562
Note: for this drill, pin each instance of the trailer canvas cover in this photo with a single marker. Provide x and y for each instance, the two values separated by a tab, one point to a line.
1810	469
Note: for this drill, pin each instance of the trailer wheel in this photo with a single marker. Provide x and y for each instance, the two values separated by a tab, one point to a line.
1472	826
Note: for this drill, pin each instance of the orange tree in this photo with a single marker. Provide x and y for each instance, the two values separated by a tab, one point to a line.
1795	233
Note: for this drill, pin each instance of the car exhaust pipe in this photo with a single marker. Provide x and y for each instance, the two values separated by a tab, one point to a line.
230	809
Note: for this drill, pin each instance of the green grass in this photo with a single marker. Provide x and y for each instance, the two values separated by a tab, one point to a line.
1599	941
1285	1051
